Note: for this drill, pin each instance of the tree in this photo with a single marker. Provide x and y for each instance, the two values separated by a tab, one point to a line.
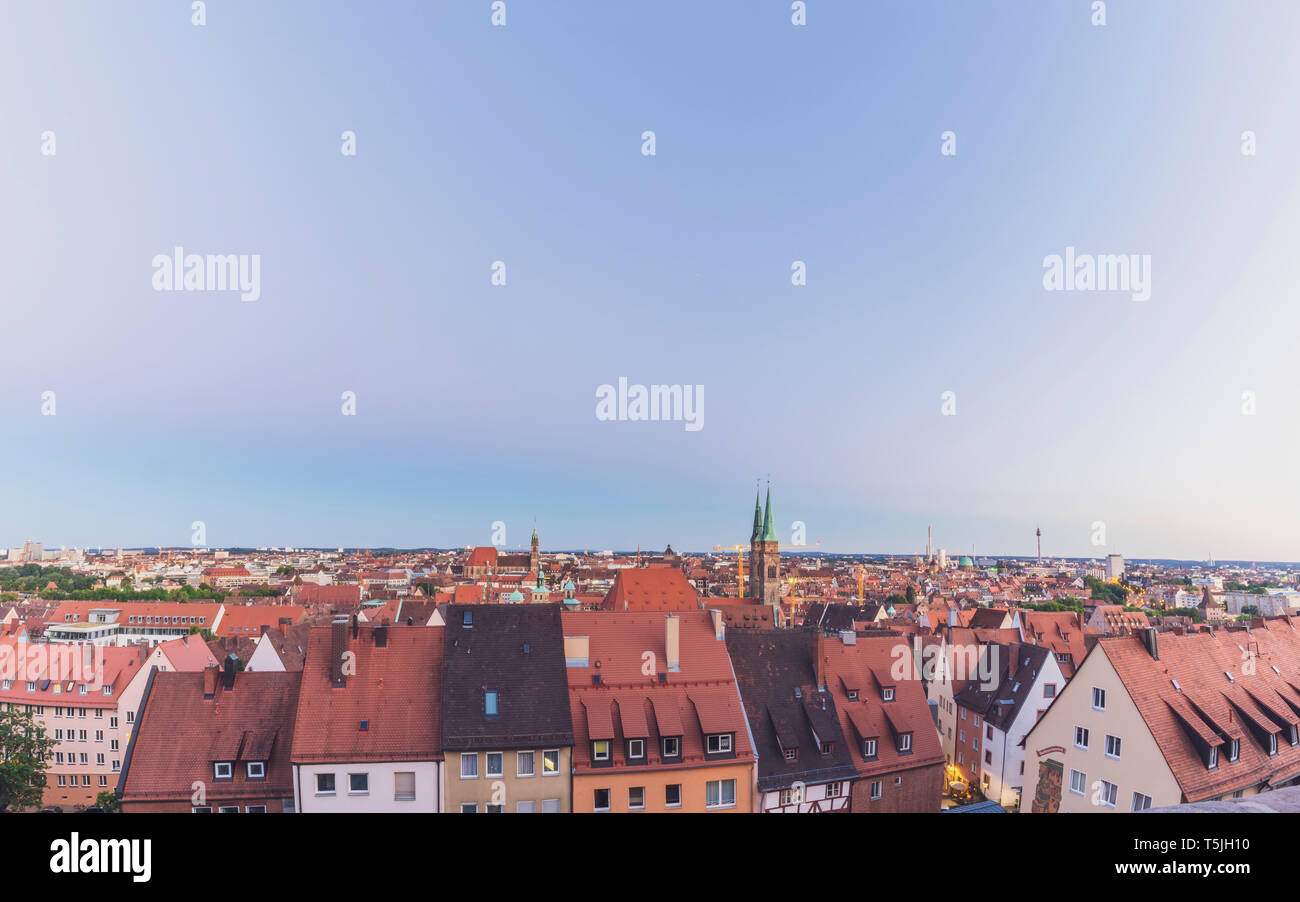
911	593
107	800
23	748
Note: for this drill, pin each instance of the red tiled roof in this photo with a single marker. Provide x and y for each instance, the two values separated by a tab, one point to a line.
397	690
651	589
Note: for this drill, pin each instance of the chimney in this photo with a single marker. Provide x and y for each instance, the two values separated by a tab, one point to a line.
719	629
284	626
265	628
209	682
338	645
228	674
355	625
672	644
820	653
381	636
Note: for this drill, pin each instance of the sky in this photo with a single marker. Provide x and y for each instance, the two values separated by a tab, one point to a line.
475	403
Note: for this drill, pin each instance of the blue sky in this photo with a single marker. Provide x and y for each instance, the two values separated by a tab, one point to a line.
775	143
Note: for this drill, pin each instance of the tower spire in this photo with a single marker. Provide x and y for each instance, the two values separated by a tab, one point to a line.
769	531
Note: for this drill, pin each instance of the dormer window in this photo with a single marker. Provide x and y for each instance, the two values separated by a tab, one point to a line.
718	743
1295	735
257	770
828	748
853	695
869	748
672	746
791	754
223	770
1213	761
905	743
1272	743
888	693
1234	750
636	749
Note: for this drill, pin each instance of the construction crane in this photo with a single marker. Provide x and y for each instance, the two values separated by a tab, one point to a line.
740	558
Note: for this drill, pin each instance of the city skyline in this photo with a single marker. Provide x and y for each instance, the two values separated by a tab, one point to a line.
776	145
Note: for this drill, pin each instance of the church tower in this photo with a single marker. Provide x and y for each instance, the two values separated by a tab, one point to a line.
764	556
534	556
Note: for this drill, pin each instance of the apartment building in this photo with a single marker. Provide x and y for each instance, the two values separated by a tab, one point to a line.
507	732
83	705
805	762
658	723
1154	719
368	730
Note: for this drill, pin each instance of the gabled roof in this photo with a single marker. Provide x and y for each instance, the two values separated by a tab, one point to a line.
517	650
652	589
395	689
771	666
1206	708
181	736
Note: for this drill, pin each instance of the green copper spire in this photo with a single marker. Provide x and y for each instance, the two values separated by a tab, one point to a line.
769	532
757	534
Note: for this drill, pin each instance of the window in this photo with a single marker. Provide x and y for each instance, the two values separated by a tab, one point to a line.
868	748
256	809
469	766
672	746
324	784
1213	761
1140	802
636	749
988	757
1272	744
905	742
600	750
791	754
720	794
1049	690
636	798
834	790
977	720
719	742
888	694
358	784
490	702
877	790
223	770
496	763
550	806
1078	782
988	731
495	809
1098	699
1234	749
257	770
526	807
468	620
468	807
1112	746
1108	793
228	809
550	762
404	786
673	795
1081	737
524	766
203	809
602	799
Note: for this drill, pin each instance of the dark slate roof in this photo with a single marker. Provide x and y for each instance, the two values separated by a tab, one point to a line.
531	685
769	665
1018	666
839	616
